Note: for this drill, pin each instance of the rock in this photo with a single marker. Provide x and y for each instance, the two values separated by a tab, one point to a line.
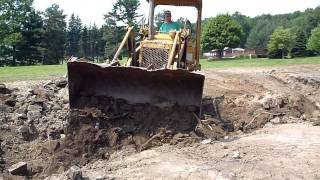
4	89
33	115
2	86
75	173
22	116
10	102
42	92
35	107
267	103
4	108
100	177
276	120
180	136
316	122
22	110
52	145
206	141
5	127
19	169
61	83
56	107
25	132
268	125
38	100
236	155
2	160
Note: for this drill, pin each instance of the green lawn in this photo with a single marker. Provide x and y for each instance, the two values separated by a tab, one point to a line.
31	72
51	71
257	62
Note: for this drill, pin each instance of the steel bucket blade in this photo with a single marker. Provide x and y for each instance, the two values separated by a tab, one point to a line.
135	85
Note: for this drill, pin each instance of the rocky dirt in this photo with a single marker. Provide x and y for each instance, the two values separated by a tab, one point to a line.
257	123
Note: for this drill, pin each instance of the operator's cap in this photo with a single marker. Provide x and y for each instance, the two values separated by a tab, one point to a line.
167	12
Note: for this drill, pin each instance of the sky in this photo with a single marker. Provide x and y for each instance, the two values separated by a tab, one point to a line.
92	11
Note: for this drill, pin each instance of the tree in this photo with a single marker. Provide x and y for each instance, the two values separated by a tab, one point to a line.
244	21
281	39
55	35
74	36
13	14
31	48
300	45
220	32
159	19
260	34
84	43
314	40
125	11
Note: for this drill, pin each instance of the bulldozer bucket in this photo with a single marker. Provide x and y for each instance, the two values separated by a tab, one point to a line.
133	84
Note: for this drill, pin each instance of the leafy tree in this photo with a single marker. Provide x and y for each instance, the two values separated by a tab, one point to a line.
244	21
220	32
74	36
259	35
55	35
124	11
13	14
281	39
300	45
314	40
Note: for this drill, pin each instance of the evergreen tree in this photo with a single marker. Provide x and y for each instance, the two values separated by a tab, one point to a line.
300	46
31	48
93	41
110	44
55	35
85	48
74	36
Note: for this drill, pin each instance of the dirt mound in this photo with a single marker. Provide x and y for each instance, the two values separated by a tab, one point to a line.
94	134
38	128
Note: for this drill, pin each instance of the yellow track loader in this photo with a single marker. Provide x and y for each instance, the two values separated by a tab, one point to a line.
160	69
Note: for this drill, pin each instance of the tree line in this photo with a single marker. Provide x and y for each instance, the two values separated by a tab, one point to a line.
294	34
28	36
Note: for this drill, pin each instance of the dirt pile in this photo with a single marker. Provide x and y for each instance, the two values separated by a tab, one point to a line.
29	117
38	128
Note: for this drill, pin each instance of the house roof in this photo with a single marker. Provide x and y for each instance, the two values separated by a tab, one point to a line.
194	3
238	49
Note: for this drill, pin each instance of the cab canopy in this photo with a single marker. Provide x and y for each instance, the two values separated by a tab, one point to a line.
194	3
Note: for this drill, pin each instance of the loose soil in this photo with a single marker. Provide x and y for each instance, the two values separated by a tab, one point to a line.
255	124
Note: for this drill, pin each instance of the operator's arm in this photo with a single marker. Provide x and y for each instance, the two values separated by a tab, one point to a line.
176	26
162	28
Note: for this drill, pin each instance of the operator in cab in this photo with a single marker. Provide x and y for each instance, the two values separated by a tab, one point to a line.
168	24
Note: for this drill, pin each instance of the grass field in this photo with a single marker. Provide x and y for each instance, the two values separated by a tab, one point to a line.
31	72
257	62
51	71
